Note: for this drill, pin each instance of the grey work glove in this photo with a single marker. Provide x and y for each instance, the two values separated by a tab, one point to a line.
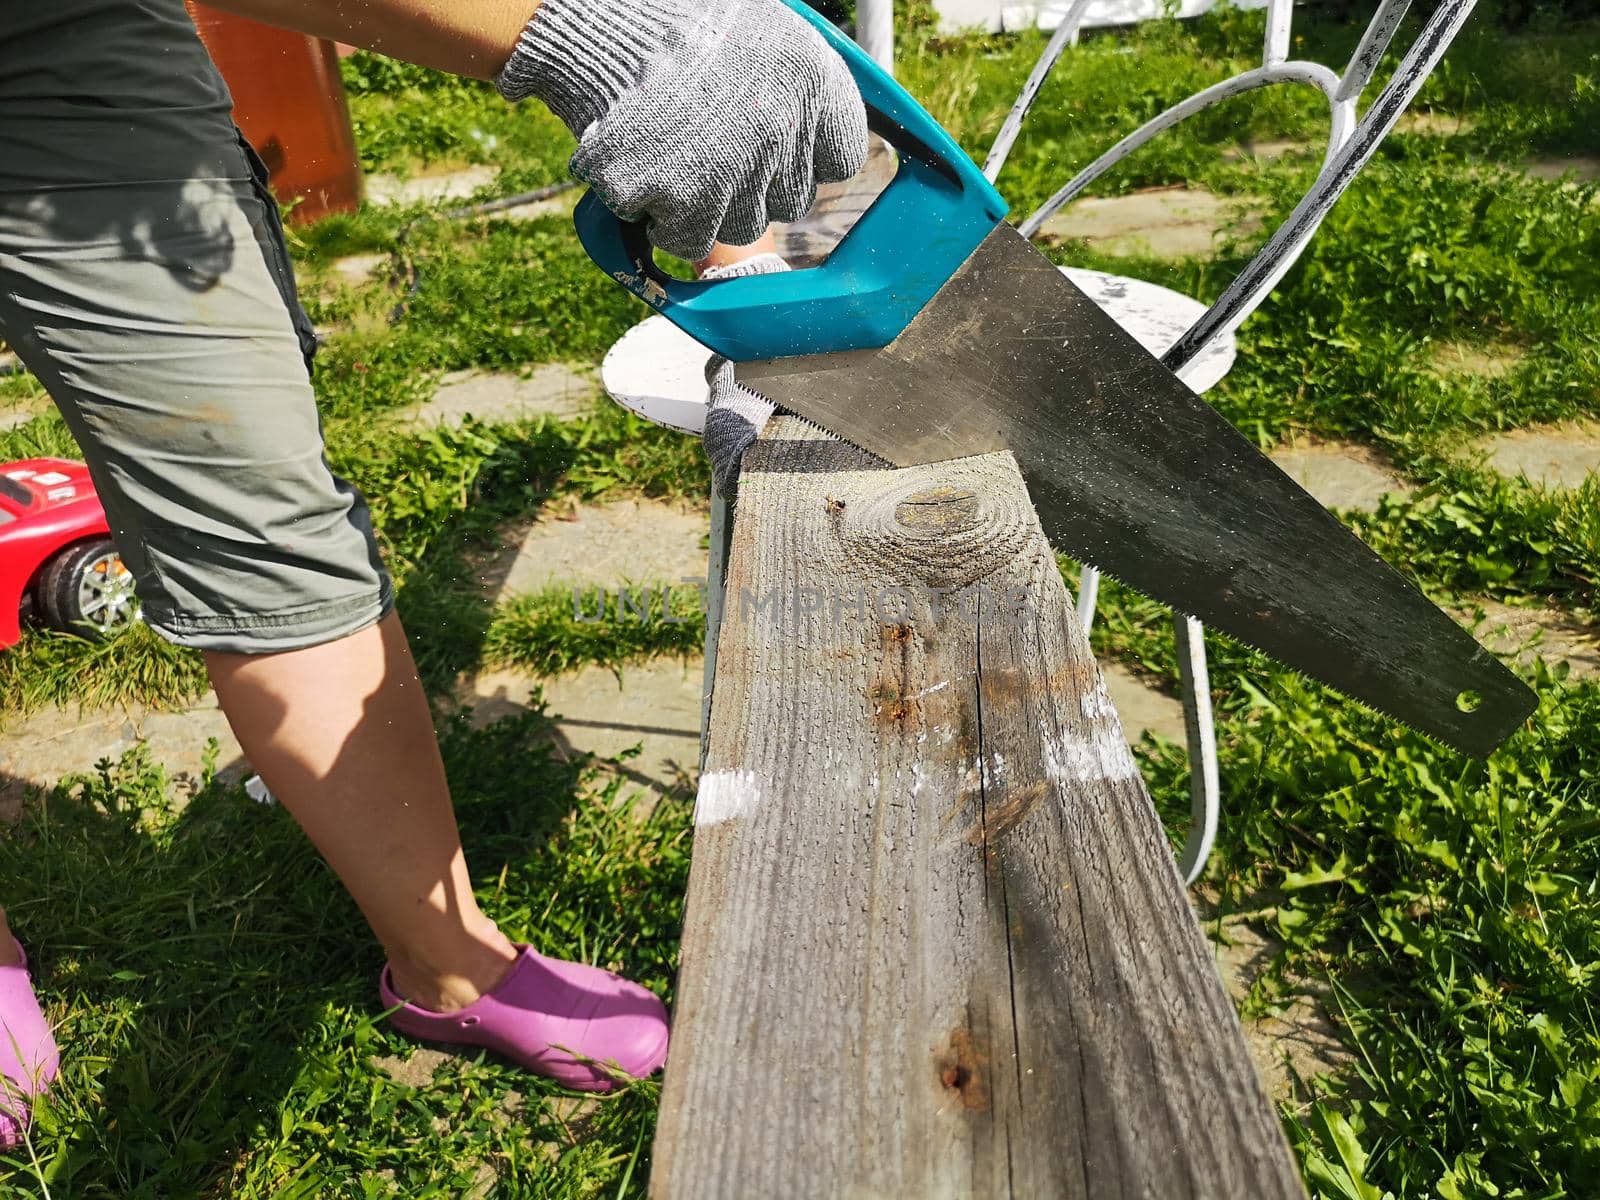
736	414
710	119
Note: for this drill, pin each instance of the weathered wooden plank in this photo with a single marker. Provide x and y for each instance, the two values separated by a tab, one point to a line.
936	944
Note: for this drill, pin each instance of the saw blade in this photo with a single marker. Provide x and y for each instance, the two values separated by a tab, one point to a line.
1105	574
1132	472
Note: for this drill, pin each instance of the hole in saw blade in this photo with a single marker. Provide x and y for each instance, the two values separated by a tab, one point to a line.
1469	702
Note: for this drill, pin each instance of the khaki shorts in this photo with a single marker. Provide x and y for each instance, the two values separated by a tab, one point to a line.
144	279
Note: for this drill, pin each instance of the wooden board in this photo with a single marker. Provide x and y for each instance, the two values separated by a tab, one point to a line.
936	944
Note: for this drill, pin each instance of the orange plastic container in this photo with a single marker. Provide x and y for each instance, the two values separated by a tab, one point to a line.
289	101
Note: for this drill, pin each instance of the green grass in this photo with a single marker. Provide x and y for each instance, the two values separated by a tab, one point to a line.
214	987
408	119
563	628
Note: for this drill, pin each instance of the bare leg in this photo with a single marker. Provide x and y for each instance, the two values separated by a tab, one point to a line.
342	735
8	944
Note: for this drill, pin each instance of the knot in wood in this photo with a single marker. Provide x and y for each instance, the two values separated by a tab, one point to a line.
940	525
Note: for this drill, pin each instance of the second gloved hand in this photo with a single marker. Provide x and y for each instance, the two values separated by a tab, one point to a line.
711	120
736	414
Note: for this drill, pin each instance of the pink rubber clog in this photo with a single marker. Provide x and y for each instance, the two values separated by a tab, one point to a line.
29	1061
554	1018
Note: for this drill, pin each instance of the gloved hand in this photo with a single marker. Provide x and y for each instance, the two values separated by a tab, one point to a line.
710	119
736	414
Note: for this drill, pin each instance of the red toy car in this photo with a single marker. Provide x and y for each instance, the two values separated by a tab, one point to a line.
56	556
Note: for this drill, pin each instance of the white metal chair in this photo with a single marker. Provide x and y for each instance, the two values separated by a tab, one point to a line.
1207	341
658	371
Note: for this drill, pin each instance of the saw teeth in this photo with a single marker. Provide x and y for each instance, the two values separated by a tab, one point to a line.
1377	710
810	424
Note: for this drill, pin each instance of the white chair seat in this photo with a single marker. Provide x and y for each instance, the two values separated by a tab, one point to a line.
659	372
1157	317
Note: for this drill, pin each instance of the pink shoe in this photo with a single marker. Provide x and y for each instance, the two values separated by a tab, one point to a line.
29	1061
554	1018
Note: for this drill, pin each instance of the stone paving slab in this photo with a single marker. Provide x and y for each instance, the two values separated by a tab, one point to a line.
1266	149
1553	456
1434	124
461	183
559	205
417	1069
358	270
1164	222
1341	474
15	410
1583	168
456	184
38	750
1547	633
599	545
559	390
1141	706
654	705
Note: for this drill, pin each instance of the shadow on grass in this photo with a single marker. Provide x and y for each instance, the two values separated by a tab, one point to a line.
444	499
212	987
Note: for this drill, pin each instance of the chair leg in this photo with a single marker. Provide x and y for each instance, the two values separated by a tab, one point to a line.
1088	593
1205	781
716	572
1205	788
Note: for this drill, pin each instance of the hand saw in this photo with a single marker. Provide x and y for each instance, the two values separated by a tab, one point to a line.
935	331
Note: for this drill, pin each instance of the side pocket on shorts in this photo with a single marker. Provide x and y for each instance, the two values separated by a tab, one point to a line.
276	250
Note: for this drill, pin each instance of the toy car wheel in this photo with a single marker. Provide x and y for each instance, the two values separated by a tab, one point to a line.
87	589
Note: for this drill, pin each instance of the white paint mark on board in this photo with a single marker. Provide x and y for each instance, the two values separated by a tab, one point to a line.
1095	704
725	795
918	779
993	771
1102	756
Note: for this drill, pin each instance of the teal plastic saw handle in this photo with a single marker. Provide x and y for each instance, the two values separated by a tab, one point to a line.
916	235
